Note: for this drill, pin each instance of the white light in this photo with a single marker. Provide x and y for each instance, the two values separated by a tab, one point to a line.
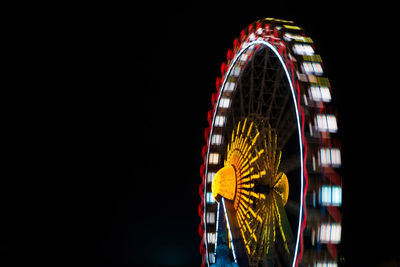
335	156
315	93
252	37
229	86
212	258
210	198
307	66
325	156
243	58
210	217
210	177
320	93
219	121
330	195
325	264
224	103
330	157
326	123
336	195
332	124
330	233
216	139
322	125
325	94
235	71
308	50
288	37
336	230
303	49
325	195
317	68
312	68
213	158
211	238
299	38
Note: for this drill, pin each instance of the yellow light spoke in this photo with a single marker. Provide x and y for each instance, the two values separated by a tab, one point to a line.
245	180
248	200
257	195
257	156
249	229
238	129
246	185
278	162
242	209
277	214
243	163
278	178
245	173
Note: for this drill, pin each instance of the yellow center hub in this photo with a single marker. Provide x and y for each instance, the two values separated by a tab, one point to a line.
224	183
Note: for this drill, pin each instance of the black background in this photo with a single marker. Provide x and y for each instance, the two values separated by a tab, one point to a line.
105	170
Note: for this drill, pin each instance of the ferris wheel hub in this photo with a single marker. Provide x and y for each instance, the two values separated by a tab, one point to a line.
224	183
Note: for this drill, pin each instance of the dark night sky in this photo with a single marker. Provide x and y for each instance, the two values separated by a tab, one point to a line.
116	177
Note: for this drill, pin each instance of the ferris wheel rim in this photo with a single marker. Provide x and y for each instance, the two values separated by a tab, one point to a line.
299	130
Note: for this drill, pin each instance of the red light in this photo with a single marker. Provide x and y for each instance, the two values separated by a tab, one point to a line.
224	68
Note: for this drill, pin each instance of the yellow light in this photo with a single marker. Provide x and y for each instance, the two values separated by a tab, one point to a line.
224	183
282	187
292	27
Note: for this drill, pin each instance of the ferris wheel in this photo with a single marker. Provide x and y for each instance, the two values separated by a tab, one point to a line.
271	189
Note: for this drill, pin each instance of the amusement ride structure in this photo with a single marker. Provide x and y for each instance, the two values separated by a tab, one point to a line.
271	187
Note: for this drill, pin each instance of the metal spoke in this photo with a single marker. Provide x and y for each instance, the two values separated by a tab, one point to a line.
291	163
251	92
275	87
261	94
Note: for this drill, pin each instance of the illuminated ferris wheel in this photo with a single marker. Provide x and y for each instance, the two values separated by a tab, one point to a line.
271	190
